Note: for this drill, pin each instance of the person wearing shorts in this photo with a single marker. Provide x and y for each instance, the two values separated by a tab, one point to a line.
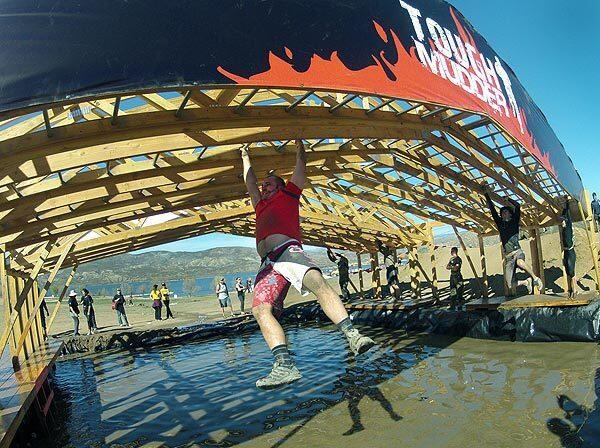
284	263
508	222
223	296
569	256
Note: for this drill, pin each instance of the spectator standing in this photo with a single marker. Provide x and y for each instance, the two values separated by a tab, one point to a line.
88	310
156	302
223	295
456	280
249	285
164	293
43	313
118	303
239	287
596	211
74	311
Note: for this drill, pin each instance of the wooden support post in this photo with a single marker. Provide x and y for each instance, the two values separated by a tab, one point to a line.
415	279
35	317
22	295
565	277
506	286
591	241
12	299
375	276
23	315
434	276
484	276
537	256
5	296
62	295
360	274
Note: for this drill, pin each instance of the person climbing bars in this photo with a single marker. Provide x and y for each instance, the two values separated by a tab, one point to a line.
343	271
508	222
284	263
569	256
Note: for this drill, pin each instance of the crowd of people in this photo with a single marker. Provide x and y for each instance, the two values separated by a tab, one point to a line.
241	288
160	297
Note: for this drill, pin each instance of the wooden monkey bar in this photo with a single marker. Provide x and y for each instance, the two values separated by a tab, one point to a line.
106	175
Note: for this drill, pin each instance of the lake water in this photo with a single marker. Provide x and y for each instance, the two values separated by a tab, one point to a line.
410	391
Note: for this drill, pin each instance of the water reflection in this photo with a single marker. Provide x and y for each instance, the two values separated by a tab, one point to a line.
413	390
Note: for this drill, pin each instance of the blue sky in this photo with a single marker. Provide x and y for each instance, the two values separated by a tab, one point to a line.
554	49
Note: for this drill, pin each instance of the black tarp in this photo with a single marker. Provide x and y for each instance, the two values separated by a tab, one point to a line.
544	324
55	50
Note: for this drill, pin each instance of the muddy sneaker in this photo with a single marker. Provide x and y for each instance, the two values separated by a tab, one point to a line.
359	343
279	376
536	283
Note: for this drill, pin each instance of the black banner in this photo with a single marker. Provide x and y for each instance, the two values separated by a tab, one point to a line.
54	50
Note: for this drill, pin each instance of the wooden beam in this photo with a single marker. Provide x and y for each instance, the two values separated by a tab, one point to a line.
484	276
61	297
415	280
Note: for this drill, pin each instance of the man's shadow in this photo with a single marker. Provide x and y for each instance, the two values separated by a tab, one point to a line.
355	393
580	426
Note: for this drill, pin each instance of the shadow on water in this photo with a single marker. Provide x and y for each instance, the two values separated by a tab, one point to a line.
580	426
204	392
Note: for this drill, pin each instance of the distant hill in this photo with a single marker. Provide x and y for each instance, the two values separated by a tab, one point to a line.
168	266
163	265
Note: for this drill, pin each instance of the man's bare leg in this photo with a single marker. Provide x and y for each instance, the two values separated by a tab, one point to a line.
284	371
523	265
270	327
328	299
334	309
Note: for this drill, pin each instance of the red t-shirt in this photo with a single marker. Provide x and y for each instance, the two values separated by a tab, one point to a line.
279	214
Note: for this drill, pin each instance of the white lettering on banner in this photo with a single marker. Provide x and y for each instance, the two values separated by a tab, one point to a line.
463	65
439	37
414	14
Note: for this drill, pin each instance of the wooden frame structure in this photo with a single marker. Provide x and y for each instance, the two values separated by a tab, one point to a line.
101	176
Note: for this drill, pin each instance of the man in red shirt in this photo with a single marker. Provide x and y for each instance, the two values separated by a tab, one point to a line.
284	263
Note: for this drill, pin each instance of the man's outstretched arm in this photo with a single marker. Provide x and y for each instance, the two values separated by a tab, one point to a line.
250	178
299	175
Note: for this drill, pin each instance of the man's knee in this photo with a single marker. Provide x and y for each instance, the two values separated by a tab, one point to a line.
313	280
260	312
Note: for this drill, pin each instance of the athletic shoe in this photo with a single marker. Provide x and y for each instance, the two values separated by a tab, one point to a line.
279	376
359	343
536	283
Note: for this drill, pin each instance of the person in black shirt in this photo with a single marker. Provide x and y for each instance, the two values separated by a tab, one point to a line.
119	306
88	311
344	276
456	280
507	223
74	311
569	257
391	271
596	210
43	313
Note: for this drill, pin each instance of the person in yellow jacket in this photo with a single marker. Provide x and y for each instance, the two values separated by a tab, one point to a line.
164	293
156	302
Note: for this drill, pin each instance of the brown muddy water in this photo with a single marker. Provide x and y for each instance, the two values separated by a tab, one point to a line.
410	391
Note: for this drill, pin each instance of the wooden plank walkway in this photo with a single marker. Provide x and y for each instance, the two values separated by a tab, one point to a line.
530	301
544	300
490	303
404	305
18	389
